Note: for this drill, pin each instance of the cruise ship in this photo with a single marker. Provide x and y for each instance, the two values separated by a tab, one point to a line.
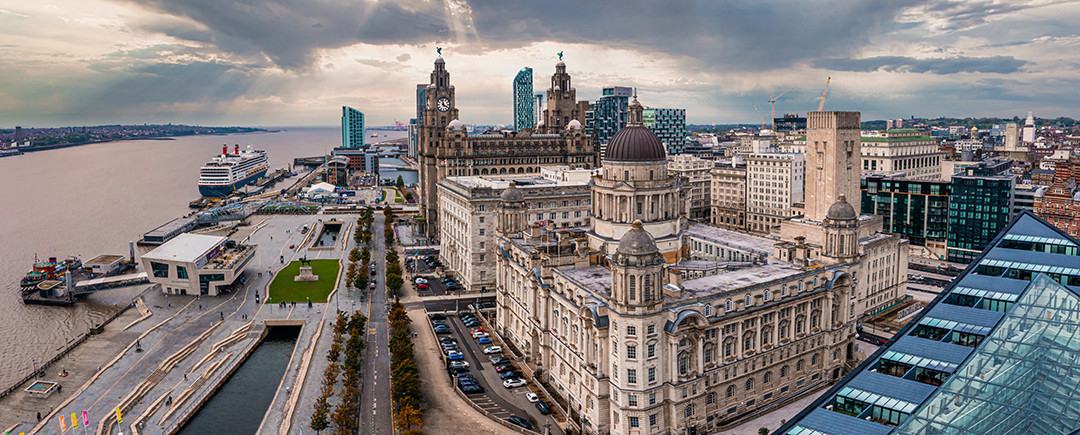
228	173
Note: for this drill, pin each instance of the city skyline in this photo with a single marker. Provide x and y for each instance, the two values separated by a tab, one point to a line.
103	62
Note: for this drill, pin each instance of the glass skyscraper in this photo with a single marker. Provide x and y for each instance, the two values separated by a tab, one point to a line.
670	126
352	128
524	111
607	115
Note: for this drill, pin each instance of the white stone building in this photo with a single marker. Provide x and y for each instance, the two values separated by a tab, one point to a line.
696	170
192	264
901	153
774	182
627	345
728	199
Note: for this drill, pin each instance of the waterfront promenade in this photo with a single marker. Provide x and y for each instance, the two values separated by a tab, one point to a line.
188	344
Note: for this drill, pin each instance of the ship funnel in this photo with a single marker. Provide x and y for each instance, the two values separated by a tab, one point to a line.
237	149
131	249
224	149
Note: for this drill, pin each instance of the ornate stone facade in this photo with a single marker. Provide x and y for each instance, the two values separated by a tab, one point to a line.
446	149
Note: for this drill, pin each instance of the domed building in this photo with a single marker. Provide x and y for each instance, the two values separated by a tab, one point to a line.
634	185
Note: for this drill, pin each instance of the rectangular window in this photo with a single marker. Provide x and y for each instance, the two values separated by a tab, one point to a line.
633	422
481	217
482	231
631	352
631	399
160	270
652	329
652	398
652	420
652	350
181	272
631	331
652	374
631	376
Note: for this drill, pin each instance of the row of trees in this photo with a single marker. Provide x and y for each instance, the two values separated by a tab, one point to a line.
345	417
408	416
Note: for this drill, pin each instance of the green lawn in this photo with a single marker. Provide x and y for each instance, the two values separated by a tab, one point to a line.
285	289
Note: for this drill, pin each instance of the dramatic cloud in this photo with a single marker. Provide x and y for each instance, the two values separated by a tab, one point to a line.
293	62
996	64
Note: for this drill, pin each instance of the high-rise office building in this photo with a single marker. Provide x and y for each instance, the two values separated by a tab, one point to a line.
608	113
524	108
918	210
421	100
979	207
670	126
352	128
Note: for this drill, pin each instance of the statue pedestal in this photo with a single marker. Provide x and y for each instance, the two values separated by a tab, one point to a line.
305	275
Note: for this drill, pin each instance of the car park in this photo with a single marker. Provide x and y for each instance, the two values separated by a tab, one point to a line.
502	360
514	382
483	340
533	398
520	422
543	407
493	350
511	374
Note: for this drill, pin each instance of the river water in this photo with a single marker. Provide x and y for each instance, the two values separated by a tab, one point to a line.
93	199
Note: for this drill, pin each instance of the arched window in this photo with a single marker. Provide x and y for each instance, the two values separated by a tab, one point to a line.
813	359
748	342
783	290
710	398
730	391
749	300
815	281
689	412
799	366
766	378
648	290
727	305
767	295
800	286
749	384
783	371
633	287
707	310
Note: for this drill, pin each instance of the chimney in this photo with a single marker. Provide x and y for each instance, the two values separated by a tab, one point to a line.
224	150
131	249
237	149
802	252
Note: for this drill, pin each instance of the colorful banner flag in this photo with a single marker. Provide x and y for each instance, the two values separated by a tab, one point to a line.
119	419
85	420
74	421
63	424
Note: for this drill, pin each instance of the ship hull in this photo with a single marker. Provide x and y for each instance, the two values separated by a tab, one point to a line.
220	191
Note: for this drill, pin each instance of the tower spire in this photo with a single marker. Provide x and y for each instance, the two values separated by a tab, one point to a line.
635	112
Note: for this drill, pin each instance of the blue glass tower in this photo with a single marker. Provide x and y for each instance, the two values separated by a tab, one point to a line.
352	128
524	111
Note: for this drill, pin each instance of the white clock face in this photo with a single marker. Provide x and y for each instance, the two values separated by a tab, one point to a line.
443	104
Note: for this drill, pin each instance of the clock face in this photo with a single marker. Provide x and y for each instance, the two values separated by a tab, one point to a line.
443	104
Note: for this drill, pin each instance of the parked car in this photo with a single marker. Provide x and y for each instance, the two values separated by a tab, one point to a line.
514	382
465	375
437	316
520	422
533	398
372	285
483	340
472	389
422	286
438	322
292	246
511	374
420	280
504	368
448	339
459	363
493	350
543	407
502	360
442	329
479	334
472	322
477	329
459	369
455	356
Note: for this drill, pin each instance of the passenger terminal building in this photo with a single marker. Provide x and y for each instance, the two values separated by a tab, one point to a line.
645	323
193	264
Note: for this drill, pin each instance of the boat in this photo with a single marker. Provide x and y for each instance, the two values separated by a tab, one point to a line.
224	174
374	134
51	269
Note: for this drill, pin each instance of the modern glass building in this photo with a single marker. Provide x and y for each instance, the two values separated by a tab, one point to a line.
670	126
995	353
524	109
607	115
979	207
918	210
421	100
352	128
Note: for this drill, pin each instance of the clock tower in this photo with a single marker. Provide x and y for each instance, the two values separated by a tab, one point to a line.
439	111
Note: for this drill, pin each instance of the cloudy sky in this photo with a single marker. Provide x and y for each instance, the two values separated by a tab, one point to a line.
295	62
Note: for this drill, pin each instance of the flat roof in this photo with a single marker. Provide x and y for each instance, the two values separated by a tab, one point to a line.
170	227
104	260
185	247
741	241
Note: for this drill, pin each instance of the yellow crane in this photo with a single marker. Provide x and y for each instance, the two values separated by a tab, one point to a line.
772	101
821	105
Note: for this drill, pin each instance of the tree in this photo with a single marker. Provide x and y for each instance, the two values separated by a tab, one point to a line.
408	416
763	431
354	254
408	196
400	181
320	417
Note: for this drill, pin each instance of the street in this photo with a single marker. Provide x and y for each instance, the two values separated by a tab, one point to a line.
377	413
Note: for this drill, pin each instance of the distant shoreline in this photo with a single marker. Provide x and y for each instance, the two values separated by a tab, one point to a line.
165	137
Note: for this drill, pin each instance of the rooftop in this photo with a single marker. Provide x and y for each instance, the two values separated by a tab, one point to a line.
739	279
595	278
185	247
734	239
898	139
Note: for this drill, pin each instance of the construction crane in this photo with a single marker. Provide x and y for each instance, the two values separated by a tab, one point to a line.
821	105
772	101
759	116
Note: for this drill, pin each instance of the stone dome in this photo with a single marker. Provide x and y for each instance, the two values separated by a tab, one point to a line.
573	125
439	60
512	194
841	210
454	125
635	144
637	241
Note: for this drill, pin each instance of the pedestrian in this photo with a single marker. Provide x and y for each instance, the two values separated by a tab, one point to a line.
39	416
59	388
185	376
222	315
